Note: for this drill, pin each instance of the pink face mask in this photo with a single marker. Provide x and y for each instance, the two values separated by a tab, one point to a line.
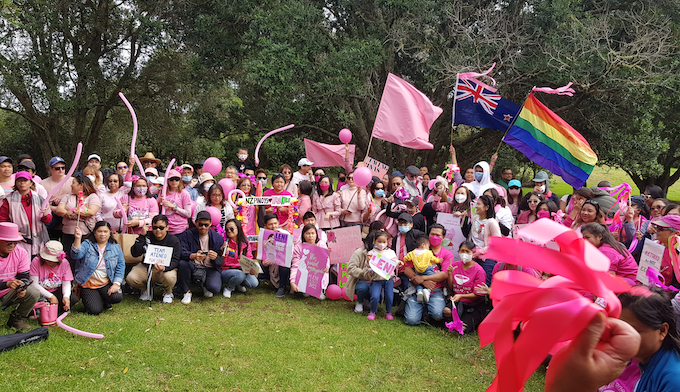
435	241
543	214
324	186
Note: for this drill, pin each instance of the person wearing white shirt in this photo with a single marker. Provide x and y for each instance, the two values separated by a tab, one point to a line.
305	172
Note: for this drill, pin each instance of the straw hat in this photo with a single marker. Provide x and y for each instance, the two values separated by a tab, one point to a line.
149	158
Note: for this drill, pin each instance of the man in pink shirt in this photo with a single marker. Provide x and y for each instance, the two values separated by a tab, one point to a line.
15	287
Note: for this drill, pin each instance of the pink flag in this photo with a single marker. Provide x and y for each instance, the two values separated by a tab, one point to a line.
405	115
325	155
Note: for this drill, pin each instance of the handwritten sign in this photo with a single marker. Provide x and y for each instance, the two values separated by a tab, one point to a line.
248	265
156	254
383	266
454	234
343	242
309	278
276	247
652	255
378	168
275	201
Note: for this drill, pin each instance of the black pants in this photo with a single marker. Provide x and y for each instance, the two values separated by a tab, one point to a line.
60	297
67	241
96	299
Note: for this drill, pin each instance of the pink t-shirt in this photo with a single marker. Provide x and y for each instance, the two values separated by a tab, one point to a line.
51	278
624	266
465	281
71	201
283	216
141	208
176	221
16	262
447	259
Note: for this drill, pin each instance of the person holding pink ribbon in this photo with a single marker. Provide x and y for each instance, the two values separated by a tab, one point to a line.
51	275
278	184
177	203
140	206
667	228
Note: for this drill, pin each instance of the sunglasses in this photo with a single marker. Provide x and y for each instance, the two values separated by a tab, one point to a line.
261	178
203	224
159	227
11	243
231	229
533	201
122	167
661	228
174	179
513	187
59	168
396	184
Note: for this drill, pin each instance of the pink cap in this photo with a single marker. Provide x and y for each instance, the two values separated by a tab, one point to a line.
174	173
23	174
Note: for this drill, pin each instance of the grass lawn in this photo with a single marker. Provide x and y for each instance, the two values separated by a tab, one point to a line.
251	342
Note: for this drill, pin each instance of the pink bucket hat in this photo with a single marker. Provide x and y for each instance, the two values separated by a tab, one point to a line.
9	232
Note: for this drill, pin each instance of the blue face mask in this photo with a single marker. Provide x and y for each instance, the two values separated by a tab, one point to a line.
404	229
186	178
479	175
379	192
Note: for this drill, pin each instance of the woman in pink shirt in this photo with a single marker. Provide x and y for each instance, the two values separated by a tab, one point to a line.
327	204
177	203
465	279
305	190
51	275
236	245
621	261
249	212
139	206
354	203
278	184
309	236
531	214
116	190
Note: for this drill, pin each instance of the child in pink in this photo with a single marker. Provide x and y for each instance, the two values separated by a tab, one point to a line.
51	275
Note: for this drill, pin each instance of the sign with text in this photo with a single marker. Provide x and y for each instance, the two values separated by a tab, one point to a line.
343	242
309	278
651	256
275	201
378	168
248	265
383	266
276	247
156	254
454	234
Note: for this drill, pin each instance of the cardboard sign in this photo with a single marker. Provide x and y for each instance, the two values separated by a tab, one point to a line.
652	256
309	278
276	247
275	201
378	168
515	234
454	234
156	254
383	266
343	242
248	265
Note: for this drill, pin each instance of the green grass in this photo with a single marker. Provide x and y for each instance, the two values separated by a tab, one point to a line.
615	176
251	342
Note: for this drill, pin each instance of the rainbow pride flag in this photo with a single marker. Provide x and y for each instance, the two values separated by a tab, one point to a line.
550	142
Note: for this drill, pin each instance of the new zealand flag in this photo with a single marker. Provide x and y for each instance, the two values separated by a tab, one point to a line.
478	105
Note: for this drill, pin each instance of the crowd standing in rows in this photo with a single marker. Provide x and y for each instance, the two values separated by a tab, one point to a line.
67	252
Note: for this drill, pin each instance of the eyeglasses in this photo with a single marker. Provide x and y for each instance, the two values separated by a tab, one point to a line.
59	167
231	229
203	224
159	227
261	178
396	184
654	208
11	243
122	167
661	228
174	179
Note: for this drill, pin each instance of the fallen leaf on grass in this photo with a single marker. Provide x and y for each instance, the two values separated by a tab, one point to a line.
126	370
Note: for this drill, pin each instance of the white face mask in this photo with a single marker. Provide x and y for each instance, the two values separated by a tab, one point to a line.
206	187
91	177
243	157
542	189
465	257
460	198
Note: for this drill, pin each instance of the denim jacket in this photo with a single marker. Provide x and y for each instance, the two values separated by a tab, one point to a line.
88	258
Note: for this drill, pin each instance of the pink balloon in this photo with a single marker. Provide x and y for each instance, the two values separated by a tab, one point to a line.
345	135
227	185
334	291
432	183
215	215
77	331
213	166
363	176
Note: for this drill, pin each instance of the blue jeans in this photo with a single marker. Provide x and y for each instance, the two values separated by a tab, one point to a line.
376	287
414	309
234	277
362	290
428	271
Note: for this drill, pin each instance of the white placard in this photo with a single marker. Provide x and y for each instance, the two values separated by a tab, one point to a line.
156	254
652	255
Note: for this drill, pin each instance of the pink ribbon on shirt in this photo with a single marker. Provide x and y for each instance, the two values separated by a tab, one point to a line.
564	90
551	312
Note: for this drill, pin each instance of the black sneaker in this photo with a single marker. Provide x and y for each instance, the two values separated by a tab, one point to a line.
281	292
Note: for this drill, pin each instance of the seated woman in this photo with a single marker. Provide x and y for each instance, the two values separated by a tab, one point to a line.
530	215
236	246
465	276
51	274
622	262
577	199
101	268
309	235
360	273
590	212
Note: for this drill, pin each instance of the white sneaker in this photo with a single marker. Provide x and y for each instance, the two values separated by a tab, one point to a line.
426	295
241	288
145	296
226	293
186	300
207	293
419	295
167	298
359	307
322	297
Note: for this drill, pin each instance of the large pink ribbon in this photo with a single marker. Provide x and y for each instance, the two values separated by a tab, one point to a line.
61	183
474	75
134	124
550	312
564	90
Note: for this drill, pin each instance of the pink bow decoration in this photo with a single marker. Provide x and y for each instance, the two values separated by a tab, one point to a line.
473	75
622	194
656	279
401	193
558	216
456	324
433	183
135	178
564	90
61	257
241	175
550	312
451	168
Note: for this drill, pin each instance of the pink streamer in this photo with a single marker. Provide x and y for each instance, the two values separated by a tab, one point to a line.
653	276
551	312
79	150
474	75
134	126
456	324
77	331
125	221
165	183
564	90
257	149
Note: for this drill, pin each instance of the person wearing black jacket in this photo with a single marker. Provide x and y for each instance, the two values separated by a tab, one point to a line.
201	259
412	208
167	276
